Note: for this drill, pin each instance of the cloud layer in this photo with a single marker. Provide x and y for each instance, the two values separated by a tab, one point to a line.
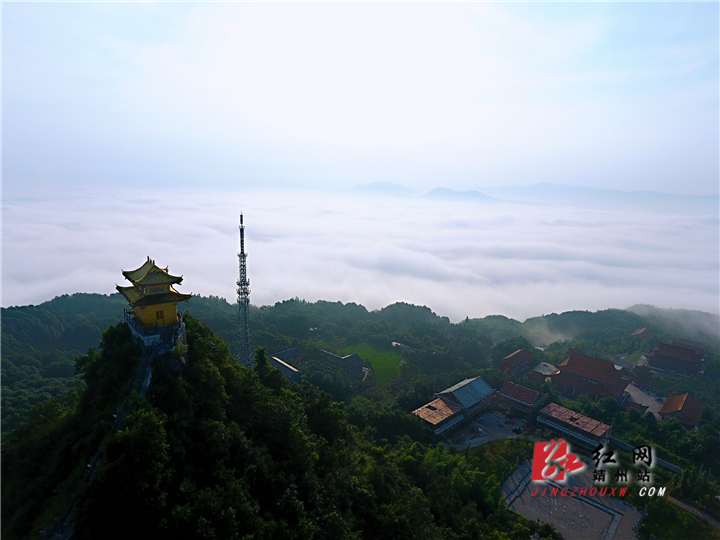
459	258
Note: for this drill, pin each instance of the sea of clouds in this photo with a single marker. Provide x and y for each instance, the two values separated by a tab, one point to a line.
461	258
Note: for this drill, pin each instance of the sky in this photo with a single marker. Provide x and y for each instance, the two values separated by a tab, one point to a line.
135	129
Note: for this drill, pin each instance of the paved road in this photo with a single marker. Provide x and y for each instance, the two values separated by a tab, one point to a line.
576	518
494	427
491	424
643	398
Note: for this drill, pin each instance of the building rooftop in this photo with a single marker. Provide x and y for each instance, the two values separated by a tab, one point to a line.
589	386
468	392
689	344
575	419
350	358
131	294
150	274
676	351
285	364
153	299
157	277
520	393
685	404
437	411
543	368
286	354
591	368
518	357
643	334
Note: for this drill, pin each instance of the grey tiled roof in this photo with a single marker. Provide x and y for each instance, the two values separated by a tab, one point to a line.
469	391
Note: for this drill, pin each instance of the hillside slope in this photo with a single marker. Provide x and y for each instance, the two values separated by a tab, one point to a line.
40	343
221	451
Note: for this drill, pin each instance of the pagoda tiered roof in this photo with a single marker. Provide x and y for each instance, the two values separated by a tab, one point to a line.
131	294
152	285
150	274
136	297
171	296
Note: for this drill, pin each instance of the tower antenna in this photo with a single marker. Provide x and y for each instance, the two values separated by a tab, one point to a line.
242	347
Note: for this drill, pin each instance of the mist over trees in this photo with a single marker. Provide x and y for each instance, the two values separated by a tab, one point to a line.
40	343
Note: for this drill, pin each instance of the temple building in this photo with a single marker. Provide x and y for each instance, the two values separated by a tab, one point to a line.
676	358
701	348
581	430
517	362
585	375
685	408
642	334
153	301
456	404
520	400
353	366
543	373
281	360
286	369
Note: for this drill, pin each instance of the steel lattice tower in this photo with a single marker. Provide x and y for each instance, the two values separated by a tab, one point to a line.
242	347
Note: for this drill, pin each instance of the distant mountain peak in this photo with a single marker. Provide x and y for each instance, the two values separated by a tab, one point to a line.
449	194
383	187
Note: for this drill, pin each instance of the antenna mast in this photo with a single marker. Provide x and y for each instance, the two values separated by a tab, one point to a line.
242	347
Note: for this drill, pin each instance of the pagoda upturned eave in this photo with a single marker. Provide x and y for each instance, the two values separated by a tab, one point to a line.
158	278
135	296
161	298
131	294
150	274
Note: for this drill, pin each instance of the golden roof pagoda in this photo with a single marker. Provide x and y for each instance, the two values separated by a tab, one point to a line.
152	296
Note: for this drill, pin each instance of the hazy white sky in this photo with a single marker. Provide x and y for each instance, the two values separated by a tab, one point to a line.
620	95
135	129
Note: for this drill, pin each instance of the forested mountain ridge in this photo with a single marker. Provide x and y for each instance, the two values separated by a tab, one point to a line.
40	343
205	454
222	451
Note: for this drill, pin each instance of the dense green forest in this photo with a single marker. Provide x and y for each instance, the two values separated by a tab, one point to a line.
40	343
223	451
223	448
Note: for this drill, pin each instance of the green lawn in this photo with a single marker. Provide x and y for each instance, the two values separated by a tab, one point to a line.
384	362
